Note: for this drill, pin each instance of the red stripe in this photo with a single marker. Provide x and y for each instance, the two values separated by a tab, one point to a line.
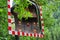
40	9
18	33
42	30
38	35
8	6
42	24
22	33
40	14
9	28
13	32
41	19
34	34
9	20
9	0
26	34
41	36
9	13
30	34
28	25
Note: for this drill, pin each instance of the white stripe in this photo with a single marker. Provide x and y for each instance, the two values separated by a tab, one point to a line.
40	7
42	22
16	33
33	34
24	34
9	10
28	34
41	17
40	12
36	35
11	3
9	17
9	24
8	3
21	33
43	32
42	27
10	32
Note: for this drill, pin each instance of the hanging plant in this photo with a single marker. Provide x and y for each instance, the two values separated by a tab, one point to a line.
21	9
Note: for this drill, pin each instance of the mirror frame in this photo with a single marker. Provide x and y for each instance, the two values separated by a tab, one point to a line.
40	20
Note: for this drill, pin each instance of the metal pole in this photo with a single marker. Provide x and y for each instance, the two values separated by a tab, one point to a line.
37	38
17	37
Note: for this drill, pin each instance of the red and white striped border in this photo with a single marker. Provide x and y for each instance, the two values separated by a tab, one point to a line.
41	19
13	32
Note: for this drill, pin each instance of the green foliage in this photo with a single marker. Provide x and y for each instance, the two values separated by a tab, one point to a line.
1	10
48	11
21	8
4	2
41	2
4	21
